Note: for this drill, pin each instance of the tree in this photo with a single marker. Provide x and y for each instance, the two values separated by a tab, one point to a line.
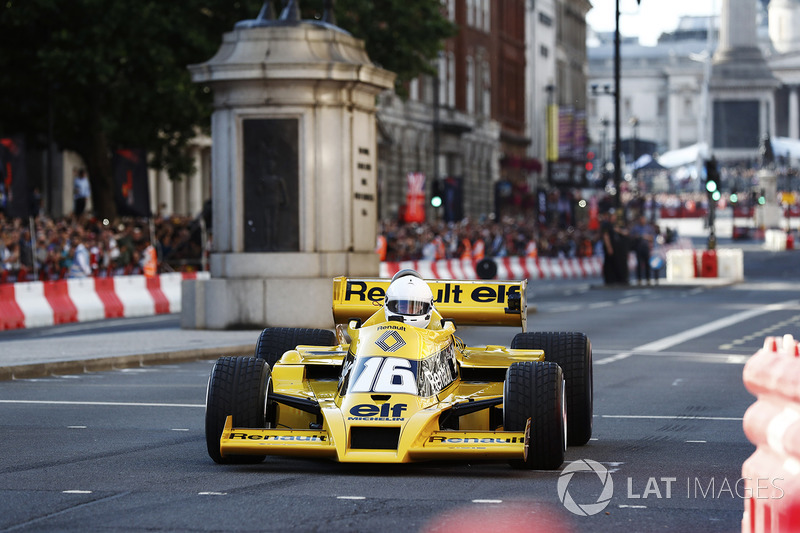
403	36
108	74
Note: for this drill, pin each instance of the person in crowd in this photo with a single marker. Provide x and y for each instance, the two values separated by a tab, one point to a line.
80	266
81	192
643	235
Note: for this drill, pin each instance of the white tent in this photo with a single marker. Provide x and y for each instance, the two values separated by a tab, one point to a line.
781	146
683	156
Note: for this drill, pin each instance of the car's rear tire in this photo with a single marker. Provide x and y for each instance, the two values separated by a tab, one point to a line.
573	353
535	390
240	387
274	342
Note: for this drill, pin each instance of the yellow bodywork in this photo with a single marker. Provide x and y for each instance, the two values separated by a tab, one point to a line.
391	392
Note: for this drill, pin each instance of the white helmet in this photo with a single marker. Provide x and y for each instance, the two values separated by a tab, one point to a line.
409	299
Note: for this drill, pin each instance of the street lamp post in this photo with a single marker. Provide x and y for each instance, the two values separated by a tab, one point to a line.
617	119
634	122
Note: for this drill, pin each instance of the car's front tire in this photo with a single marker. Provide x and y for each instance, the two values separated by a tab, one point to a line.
535	390
239	387
573	353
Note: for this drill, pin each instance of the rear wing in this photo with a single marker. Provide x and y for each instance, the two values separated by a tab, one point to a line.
468	303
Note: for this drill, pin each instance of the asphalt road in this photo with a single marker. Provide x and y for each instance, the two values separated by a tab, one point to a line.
124	450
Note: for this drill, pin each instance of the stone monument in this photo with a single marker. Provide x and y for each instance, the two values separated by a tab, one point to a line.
293	171
767	216
741	87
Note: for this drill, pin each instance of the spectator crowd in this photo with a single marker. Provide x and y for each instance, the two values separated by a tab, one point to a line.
45	249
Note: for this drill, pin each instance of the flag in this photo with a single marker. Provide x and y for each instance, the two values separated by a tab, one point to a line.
13	177
131	188
415	197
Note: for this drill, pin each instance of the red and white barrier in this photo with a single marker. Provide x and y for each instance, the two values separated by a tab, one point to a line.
683	264
507	268
44	303
772	474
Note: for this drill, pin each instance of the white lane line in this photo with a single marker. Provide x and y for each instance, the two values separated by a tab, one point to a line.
632	506
179	429
676	417
100	325
121	404
699	331
210	493
76	427
487	501
76	492
696	442
351	497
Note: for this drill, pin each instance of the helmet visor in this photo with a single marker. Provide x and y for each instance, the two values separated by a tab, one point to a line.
409	307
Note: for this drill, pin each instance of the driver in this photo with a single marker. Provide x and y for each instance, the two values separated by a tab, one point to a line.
409	299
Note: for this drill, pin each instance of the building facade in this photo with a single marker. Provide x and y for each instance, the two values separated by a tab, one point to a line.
670	92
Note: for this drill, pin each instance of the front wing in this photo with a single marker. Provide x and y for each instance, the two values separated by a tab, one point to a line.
449	444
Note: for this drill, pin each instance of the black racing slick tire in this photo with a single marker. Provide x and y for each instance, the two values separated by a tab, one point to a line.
274	342
239	387
573	353
535	390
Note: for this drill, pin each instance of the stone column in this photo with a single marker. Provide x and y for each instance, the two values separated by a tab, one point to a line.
794	112
294	173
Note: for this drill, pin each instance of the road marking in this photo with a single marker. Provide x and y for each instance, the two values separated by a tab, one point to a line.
696	441
676	417
76	492
351	497
209	493
633	506
487	501
699	331
120	404
76	427
179	429
677	382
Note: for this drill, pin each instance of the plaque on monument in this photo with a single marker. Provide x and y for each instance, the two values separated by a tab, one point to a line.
736	124
271	201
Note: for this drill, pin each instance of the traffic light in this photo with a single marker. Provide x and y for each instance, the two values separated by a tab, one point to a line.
589	161
734	197
712	176
436	193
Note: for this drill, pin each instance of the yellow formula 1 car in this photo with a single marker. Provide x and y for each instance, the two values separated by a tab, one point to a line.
386	391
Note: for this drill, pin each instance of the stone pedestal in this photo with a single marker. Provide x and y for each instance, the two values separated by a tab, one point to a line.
294	191
768	216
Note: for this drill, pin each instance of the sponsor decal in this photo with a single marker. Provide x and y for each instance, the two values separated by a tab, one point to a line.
391	341
437	372
386	412
297	438
392	326
474	440
446	293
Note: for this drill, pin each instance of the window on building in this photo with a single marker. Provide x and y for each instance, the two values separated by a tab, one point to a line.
545	19
487	16
451	79
544	51
688	108
486	105
470	85
662	106
442	79
471	12
413	89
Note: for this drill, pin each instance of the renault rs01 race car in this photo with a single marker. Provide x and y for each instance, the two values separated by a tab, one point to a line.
383	389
